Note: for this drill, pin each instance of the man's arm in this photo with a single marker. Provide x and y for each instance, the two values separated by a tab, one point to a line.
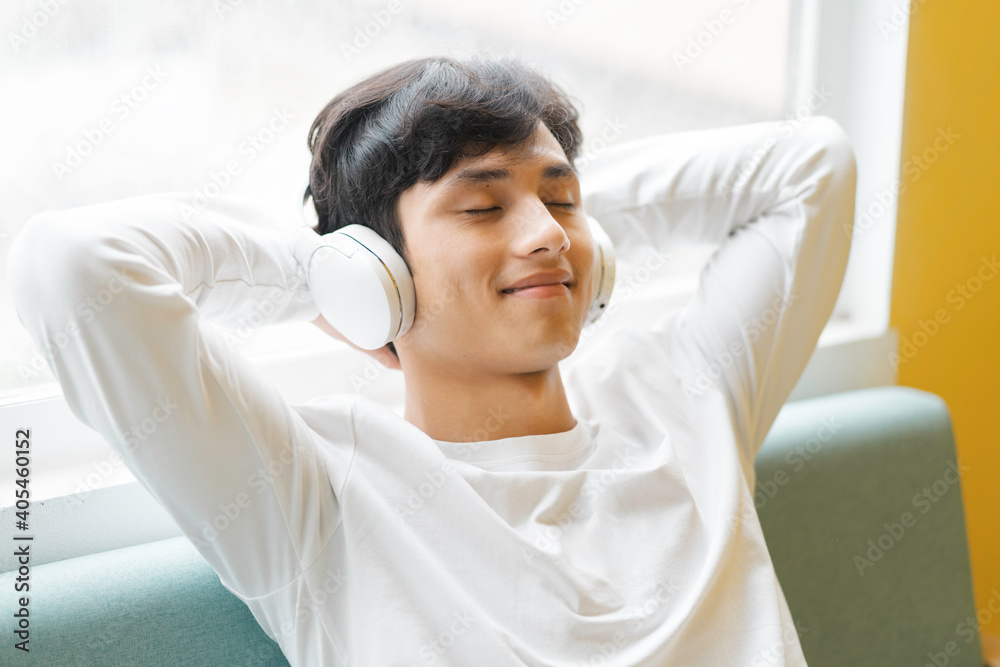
780	201
117	296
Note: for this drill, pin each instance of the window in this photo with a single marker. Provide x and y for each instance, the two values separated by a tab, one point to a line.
115	99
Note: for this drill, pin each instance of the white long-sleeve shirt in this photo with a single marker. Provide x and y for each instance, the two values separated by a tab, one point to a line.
355	538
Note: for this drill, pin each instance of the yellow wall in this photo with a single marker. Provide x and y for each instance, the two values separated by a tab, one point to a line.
949	220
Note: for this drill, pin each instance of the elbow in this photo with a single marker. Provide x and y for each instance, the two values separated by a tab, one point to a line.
50	261
26	262
839	147
833	171
833	147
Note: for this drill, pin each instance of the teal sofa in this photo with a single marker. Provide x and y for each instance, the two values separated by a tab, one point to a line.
836	476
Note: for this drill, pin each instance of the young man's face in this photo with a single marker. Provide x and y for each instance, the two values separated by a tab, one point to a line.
529	218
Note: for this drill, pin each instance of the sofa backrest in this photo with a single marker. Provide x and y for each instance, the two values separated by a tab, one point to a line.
859	497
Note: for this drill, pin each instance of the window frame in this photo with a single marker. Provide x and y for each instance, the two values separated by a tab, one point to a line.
852	353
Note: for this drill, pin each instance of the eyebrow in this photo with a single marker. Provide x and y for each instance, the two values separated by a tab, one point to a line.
473	176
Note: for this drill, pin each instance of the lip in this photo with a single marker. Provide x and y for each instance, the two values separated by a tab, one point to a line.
536	281
540	291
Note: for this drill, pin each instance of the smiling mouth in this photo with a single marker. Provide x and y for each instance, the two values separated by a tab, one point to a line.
553	289
522	289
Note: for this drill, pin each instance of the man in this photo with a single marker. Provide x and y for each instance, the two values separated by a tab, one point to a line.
516	514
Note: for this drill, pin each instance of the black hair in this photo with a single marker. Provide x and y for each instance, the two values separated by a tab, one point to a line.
410	123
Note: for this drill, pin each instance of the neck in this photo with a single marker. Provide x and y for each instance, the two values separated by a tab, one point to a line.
473	409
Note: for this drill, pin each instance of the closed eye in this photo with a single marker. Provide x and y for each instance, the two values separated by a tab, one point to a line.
483	211
486	211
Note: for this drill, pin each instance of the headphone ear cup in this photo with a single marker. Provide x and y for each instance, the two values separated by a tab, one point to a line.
604	270
359	282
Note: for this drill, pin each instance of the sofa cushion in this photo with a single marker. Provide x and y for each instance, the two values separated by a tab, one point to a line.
860	502
836	477
153	604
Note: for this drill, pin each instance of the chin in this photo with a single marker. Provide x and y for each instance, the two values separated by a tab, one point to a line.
562	347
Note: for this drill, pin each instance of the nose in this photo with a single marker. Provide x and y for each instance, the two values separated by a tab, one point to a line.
539	231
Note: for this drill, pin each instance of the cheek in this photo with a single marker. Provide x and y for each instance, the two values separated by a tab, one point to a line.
445	299
453	283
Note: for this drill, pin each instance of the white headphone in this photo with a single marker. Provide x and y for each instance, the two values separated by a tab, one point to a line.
364	290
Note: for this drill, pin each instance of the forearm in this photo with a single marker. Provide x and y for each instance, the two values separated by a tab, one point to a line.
234	262
698	187
115	296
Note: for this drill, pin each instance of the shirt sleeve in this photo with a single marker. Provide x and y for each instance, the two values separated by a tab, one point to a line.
120	297
778	199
